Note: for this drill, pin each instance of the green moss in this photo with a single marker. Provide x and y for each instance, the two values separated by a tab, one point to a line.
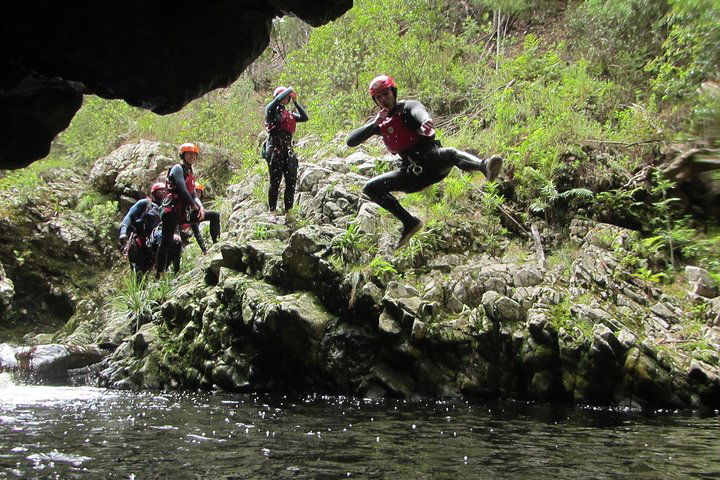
560	316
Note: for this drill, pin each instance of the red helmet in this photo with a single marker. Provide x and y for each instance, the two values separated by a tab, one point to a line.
158	186
380	83
187	147
278	91
199	186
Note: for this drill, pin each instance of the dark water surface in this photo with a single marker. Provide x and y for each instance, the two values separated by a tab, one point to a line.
71	432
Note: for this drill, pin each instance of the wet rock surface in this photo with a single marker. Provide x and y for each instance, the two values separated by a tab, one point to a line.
54	253
281	314
296	304
50	363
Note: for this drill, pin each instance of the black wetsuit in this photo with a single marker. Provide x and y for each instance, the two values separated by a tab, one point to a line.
422	165
282	161
139	222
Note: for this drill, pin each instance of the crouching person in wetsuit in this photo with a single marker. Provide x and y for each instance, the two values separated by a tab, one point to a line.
280	124
136	229
181	204
407	130
210	215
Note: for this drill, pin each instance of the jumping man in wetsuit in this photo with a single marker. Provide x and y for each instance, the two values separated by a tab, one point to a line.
407	130
280	124
181	204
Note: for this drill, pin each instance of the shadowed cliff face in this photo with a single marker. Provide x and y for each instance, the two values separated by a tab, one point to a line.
152	54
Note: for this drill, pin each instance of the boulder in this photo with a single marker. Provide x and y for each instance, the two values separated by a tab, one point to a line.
7	290
47	363
131	169
701	283
501	308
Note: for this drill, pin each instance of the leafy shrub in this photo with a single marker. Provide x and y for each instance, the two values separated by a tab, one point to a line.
690	53
619	37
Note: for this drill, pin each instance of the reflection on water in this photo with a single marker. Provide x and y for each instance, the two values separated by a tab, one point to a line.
66	432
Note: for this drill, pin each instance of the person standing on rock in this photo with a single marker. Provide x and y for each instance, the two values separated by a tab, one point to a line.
137	226
181	203
280	124
407	130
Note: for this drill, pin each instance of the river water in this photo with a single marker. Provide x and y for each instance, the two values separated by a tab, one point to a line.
81	432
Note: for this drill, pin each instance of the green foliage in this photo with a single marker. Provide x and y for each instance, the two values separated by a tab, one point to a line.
138	298
550	197
560	316
456	187
619	37
620	204
423	242
228	118
690	51
261	231
409	40
379	267
102	211
21	185
352	244
704	118
491	200
647	275
97	128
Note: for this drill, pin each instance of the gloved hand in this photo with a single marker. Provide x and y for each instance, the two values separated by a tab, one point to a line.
427	128
380	117
122	241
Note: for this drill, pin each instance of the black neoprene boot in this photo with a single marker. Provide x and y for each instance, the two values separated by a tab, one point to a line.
410	228
492	166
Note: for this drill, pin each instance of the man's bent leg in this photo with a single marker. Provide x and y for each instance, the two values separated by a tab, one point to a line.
379	188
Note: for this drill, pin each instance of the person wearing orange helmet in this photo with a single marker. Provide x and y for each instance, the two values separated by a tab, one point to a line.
408	131
280	124
181	203
137	226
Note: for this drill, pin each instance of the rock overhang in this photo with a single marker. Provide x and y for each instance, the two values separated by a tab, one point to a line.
157	55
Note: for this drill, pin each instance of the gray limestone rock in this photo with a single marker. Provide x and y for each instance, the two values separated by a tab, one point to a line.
49	362
310	177
388	324
7	290
501	308
701	283
132	168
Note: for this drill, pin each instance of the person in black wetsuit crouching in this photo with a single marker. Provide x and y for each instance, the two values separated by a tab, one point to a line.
407	130
136	229
280	124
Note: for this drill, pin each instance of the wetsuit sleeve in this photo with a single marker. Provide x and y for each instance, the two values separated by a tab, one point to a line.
301	115
176	174
414	114
132	215
198	237
359	135
271	107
